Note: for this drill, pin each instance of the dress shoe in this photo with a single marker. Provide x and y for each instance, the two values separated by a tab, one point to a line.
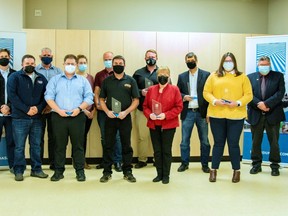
165	180
255	169
40	174
183	167
213	175
105	178
80	177
57	176
100	166
236	176
140	164
275	172
118	167
205	169
86	166
19	177
157	179
129	177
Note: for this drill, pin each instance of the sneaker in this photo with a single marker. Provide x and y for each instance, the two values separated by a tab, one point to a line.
19	177
129	177
140	164
40	174
105	178
81	177
57	176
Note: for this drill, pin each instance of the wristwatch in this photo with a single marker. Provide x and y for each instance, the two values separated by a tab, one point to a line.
80	109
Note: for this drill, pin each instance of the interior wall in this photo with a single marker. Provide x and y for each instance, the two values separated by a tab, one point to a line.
171	47
11	15
278	17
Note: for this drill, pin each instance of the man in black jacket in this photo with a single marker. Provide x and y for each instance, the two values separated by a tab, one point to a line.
5	118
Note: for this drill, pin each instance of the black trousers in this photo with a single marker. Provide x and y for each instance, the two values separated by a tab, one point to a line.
162	144
273	137
124	126
65	127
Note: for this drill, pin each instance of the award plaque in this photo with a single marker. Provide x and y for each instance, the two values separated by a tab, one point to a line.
116	107
148	83
156	107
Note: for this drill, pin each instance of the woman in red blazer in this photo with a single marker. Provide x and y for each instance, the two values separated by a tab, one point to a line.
162	105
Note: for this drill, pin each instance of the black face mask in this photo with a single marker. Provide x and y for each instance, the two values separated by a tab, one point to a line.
162	80
151	62
29	69
4	62
118	69
191	65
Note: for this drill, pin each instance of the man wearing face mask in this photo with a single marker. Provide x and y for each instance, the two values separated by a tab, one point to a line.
145	77
48	71
68	94
191	84
265	111
101	115
26	93
5	111
118	91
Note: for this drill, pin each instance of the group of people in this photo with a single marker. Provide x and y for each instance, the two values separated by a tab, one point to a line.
68	100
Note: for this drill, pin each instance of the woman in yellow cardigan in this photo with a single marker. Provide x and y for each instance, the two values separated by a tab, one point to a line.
228	91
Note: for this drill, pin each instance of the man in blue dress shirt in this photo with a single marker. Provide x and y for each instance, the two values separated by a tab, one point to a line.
68	94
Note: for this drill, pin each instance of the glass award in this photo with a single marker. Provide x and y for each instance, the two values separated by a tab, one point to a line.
148	83
226	96
156	107
116	107
193	97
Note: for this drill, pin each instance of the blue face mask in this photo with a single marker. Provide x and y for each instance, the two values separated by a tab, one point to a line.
264	70
108	64
82	67
46	60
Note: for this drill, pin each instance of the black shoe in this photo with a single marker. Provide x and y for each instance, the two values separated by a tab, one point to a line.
275	172
105	178
81	177
117	167
140	164
19	177
205	169
57	176
183	167
129	177
100	166
255	169
40	174
157	179
165	180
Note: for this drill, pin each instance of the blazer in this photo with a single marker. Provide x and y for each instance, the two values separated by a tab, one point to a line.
275	90
183	79
2	88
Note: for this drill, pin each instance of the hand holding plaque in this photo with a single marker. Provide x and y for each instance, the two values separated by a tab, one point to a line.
116	107
156	107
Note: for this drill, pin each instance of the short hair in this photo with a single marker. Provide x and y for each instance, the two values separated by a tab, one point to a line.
70	56
81	56
46	49
119	57
163	68
5	50
264	58
191	55
152	51
27	56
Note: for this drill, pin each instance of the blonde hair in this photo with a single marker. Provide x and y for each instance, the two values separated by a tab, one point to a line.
163	69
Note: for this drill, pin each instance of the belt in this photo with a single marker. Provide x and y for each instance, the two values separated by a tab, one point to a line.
194	109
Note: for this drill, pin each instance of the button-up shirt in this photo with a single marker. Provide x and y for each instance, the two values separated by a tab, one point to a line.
193	90
5	76
48	73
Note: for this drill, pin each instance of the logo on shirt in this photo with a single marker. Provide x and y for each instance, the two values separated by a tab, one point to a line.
40	81
127	85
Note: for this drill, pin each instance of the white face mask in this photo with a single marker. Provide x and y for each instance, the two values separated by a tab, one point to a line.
228	66
70	69
264	70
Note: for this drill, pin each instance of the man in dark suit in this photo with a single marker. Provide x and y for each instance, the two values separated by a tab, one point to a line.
191	84
265	111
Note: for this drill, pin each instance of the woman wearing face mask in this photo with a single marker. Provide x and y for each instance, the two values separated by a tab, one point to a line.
162	105
228	91
89	111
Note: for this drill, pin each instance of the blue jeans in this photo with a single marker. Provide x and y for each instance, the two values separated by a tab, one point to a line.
202	128
21	129
101	118
226	130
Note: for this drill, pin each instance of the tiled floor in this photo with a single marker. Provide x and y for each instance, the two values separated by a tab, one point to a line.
188	193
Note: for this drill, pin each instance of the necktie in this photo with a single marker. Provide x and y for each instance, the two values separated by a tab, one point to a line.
263	87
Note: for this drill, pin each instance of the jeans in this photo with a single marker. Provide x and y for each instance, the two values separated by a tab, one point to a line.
202	128
21	129
222	130
6	122
101	118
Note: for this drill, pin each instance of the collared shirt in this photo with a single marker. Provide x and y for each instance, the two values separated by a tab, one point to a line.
48	73
5	76
69	93
193	89
100	76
